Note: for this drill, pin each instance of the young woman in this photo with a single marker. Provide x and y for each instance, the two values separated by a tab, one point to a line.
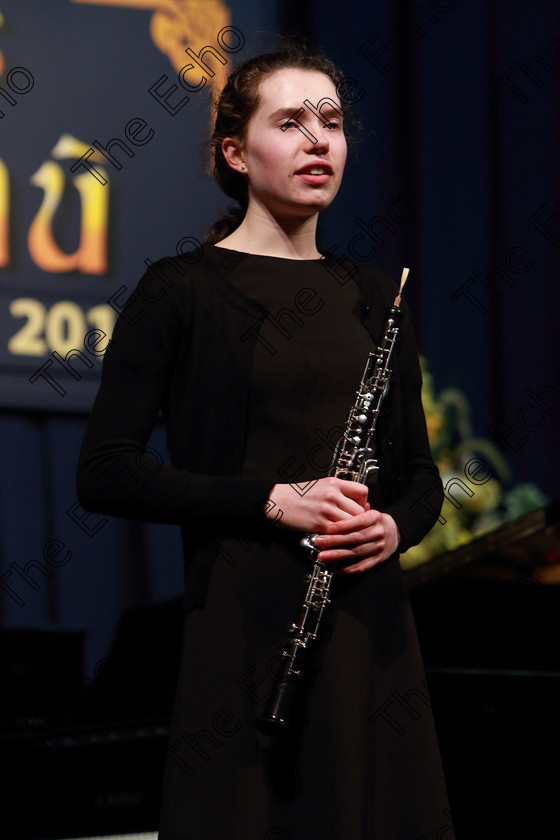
253	348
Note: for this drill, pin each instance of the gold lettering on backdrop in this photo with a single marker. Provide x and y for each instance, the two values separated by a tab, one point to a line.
4	214
177	25
90	257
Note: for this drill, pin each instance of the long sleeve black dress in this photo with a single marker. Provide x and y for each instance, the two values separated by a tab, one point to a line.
255	366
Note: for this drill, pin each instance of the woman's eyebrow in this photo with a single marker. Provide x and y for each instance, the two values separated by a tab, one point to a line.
297	109
286	112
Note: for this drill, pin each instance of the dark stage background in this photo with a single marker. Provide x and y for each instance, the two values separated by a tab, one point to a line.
457	177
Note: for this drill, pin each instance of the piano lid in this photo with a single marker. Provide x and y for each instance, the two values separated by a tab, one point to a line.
516	551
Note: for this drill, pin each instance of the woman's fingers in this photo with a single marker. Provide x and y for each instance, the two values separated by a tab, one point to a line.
339	498
313	508
363	519
359	543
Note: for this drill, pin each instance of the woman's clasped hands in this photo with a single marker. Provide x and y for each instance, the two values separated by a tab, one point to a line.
350	534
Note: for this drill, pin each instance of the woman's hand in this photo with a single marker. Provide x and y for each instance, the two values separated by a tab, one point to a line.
350	533
313	506
358	543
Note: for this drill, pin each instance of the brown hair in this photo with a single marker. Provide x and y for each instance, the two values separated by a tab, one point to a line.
237	102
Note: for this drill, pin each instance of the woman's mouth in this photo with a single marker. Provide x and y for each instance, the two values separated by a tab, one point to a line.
315	174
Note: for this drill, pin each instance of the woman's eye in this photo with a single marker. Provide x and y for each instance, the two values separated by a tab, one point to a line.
333	125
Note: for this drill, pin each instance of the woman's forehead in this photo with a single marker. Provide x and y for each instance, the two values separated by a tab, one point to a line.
290	86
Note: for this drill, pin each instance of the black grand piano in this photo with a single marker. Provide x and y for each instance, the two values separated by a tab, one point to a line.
81	760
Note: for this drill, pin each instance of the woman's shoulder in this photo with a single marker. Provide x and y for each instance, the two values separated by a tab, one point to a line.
187	264
196	269
178	287
175	293
373	282
386	283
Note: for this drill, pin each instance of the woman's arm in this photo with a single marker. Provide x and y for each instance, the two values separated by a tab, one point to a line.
117	474
417	504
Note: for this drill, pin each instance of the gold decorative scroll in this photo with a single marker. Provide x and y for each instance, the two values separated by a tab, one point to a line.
178	24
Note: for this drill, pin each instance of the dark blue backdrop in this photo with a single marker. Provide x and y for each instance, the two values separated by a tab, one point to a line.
457	177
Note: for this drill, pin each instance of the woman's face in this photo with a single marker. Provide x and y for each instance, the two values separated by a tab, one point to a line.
294	167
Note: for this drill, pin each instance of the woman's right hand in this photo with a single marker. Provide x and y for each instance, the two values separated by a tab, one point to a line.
311	507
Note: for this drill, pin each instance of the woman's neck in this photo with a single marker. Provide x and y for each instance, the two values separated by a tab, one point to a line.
268	237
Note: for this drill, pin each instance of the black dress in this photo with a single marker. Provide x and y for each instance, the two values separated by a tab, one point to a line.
364	764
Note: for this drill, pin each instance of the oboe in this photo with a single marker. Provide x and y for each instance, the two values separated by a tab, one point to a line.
354	460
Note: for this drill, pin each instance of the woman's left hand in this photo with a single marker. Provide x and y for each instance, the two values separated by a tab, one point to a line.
358	542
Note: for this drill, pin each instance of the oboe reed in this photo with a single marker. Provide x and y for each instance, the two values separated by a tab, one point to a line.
401	287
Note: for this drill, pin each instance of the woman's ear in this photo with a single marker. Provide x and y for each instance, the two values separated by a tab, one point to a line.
233	154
